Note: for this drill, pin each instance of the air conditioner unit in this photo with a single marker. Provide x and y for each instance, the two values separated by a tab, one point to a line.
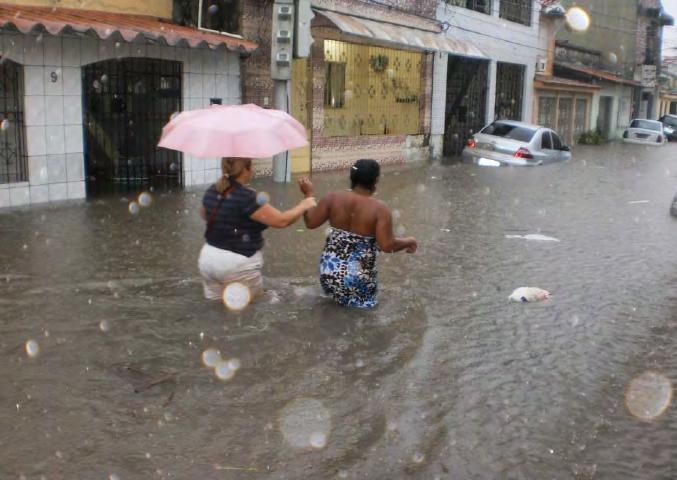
541	65
283	58
284	11
283	36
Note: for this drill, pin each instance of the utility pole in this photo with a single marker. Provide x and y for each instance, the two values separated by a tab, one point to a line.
282	44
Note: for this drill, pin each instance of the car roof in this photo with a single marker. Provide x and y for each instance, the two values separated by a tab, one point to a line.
519	124
670	115
644	120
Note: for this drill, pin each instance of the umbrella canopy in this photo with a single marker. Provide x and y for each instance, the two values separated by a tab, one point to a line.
233	131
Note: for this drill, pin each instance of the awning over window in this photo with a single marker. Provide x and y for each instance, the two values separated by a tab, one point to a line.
105	25
400	35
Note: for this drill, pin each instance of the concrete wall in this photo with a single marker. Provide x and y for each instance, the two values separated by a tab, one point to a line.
498	39
156	8
617	92
53	114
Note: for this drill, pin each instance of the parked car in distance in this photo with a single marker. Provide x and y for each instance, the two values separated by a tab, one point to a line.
508	142
669	122
645	132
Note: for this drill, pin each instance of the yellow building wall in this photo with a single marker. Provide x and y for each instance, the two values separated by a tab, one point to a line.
155	8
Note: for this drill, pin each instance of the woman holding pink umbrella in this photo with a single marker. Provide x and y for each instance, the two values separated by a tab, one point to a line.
236	218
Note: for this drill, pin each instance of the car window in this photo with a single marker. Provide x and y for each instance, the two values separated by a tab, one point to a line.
557	143
513	132
670	121
646	125
546	141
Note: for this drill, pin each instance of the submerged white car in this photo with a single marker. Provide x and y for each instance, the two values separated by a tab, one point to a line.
507	142
646	132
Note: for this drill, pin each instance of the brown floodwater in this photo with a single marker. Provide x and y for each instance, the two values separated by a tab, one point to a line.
447	379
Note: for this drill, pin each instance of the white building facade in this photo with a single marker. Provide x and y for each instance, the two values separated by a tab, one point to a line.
75	105
469	93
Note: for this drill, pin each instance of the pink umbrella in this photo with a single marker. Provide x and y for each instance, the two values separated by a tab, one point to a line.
233	131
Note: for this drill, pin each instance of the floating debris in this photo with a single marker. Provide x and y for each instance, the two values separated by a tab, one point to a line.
529	294
534	237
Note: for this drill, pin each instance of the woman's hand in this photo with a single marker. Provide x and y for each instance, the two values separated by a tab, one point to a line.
306	187
308	203
412	245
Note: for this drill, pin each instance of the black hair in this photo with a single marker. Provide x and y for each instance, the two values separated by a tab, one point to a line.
365	173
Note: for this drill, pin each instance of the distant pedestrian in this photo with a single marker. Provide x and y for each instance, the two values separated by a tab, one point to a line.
361	225
236	218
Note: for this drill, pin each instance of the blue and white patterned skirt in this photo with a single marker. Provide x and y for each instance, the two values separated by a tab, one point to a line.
348	269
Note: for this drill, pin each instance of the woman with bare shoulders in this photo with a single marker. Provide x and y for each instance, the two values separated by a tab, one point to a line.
361	225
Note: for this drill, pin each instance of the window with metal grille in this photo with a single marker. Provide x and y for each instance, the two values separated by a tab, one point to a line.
13	166
509	91
518	11
335	85
218	15
483	6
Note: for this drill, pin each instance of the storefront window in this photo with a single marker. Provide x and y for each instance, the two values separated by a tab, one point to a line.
371	90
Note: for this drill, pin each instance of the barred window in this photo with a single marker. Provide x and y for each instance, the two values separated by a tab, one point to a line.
483	6
518	11
13	167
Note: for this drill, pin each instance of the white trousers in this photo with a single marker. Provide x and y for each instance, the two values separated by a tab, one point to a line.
219	268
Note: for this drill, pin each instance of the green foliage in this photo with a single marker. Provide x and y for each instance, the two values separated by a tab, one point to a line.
592	137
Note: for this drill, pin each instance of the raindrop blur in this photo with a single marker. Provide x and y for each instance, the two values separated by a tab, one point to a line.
4	125
113	476
133	208
648	395
318	440
420	188
348	94
43	174
577	19
342	474
262	198
104	326
173	167
234	364
613	58
211	357
32	348
391	73
97	86
104	78
213	9
396	214
305	423
236	296
223	371
400	230
145	199
418	457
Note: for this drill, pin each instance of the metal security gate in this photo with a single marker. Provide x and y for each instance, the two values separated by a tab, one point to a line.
12	139
509	91
126	103
466	101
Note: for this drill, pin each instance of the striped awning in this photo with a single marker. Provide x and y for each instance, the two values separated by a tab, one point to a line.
401	35
119	26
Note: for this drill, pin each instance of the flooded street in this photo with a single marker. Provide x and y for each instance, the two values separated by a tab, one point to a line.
446	379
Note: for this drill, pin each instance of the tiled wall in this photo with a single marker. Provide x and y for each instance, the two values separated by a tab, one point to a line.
53	106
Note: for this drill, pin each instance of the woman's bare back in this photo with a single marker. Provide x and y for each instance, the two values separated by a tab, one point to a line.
355	213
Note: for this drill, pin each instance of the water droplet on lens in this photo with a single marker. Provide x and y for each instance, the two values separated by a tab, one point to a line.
396	214
104	78
418	457
262	198
113	476
236	296
4	125
420	188
577	19
104	326
342	474
32	348
223	371
145	199
400	230
211	357
318	440
213	9
613	58
648	395
133	208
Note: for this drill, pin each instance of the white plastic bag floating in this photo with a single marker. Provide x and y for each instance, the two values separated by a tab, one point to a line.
529	294
535	237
